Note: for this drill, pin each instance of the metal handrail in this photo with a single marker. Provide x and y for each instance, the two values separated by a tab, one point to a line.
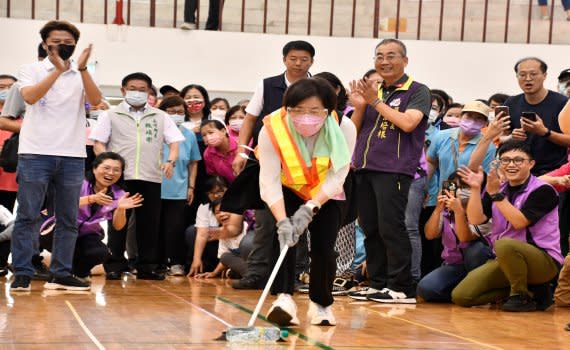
377	6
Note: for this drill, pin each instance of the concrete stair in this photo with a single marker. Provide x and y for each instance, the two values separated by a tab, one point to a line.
342	16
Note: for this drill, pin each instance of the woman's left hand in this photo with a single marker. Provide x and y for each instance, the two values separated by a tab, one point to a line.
206	275
126	202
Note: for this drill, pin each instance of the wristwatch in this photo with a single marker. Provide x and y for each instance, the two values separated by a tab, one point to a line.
497	197
548	133
313	206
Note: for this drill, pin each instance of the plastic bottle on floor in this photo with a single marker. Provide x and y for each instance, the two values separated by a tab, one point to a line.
255	334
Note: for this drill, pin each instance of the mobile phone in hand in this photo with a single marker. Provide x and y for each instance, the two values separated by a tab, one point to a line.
450	186
504	109
529	115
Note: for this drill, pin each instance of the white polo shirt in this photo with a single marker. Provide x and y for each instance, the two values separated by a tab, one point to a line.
54	125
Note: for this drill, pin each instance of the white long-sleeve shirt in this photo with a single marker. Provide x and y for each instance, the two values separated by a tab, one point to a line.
270	165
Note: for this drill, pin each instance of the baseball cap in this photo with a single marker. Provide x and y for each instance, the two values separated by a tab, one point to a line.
564	73
167	88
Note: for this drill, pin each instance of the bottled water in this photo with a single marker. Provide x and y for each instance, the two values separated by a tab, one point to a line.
254	334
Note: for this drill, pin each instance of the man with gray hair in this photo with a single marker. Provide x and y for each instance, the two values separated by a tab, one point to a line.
391	122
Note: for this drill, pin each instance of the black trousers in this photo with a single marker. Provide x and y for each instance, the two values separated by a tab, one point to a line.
147	231
172	226
324	229
382	200
431	248
212	23
7	199
4	253
90	251
209	255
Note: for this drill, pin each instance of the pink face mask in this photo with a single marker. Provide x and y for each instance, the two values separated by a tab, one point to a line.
451	121
213	140
235	124
307	124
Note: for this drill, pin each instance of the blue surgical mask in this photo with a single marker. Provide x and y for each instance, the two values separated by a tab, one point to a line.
3	95
136	98
178	119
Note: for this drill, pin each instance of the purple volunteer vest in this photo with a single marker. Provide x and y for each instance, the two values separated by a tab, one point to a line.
382	146
545	233
88	223
451	253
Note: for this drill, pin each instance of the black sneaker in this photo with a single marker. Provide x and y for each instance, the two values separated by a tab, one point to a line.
389	296
542	295
66	283
21	284
519	303
41	271
247	283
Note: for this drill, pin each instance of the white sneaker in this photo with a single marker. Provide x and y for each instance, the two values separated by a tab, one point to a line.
283	311
188	26
321	315
176	270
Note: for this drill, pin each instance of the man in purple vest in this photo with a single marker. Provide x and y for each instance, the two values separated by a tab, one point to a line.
391	121
525	234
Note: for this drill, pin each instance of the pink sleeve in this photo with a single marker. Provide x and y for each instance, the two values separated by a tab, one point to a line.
208	162
563	170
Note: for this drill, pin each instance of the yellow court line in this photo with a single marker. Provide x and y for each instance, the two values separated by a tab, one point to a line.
85	329
439	331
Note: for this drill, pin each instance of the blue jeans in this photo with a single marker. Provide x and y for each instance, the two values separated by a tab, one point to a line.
416	197
35	172
565	4
437	285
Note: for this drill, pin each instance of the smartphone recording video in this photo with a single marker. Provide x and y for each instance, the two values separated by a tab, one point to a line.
450	186
504	109
529	115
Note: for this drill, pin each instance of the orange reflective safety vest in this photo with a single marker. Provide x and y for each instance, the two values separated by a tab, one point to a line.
295	175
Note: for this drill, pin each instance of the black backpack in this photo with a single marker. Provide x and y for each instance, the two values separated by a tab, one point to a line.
9	153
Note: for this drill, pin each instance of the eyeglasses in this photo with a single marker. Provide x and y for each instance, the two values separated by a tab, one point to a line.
517	160
531	75
312	111
389	57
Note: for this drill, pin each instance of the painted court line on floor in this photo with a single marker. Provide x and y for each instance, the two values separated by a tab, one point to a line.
84	327
290	330
193	305
438	330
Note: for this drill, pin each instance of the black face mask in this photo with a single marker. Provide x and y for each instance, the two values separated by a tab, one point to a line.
65	51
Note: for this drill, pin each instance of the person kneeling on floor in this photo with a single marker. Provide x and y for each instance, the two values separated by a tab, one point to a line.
101	199
525	235
464	246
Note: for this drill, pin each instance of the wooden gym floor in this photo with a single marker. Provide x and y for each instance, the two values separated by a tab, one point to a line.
182	313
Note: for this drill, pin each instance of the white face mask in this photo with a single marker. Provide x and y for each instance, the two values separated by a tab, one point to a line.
94	114
136	98
562	88
178	119
218	114
433	114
